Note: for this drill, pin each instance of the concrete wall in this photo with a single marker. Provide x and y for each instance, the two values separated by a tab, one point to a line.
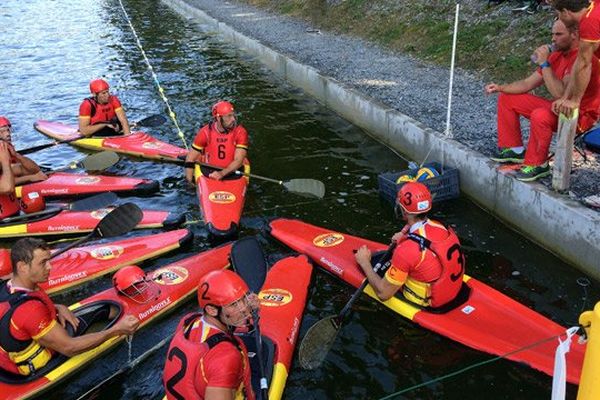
562	225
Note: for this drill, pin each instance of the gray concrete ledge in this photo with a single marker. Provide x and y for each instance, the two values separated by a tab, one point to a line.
559	224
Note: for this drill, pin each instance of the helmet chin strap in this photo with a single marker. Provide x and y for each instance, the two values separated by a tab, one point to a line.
225	129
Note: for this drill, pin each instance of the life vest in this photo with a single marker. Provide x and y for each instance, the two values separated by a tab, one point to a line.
184	362
27	356
445	288
102	113
9	205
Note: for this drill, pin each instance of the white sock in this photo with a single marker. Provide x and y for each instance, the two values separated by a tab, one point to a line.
518	150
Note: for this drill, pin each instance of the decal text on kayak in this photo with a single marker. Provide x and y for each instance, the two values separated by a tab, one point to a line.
156	307
67	278
87	180
170	275
328	239
106	252
63	228
332	267
274	297
221	197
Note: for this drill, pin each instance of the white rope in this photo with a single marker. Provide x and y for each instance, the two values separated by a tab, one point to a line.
560	365
160	89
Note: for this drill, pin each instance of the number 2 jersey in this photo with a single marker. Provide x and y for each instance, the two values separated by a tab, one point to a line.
219	148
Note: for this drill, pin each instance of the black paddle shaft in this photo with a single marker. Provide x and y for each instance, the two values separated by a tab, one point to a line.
346	310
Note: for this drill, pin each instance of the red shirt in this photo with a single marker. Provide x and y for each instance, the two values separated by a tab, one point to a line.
103	112
589	26
561	63
409	260
219	148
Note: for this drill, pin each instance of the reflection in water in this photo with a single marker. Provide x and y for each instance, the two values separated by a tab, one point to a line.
52	49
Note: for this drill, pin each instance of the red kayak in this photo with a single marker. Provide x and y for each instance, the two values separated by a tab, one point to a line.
57	222
483	318
83	264
63	184
138	144
177	282
221	202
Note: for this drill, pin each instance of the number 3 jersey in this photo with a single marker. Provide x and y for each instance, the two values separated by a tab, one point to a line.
219	148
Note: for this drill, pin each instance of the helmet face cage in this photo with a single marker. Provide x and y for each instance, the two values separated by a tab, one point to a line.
141	291
238	313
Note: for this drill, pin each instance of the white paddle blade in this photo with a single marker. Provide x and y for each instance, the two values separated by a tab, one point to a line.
317	342
306	187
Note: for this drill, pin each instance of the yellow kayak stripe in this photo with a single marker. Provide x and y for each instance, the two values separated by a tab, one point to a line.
278	381
19	191
404	308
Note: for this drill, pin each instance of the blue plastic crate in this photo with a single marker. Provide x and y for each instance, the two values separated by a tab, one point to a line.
443	187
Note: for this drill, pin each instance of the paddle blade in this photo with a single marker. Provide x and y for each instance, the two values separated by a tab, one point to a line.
94	202
152	121
306	187
317	342
99	161
119	221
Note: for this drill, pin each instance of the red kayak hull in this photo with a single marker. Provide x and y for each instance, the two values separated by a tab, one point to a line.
282	300
138	144
74	222
221	203
63	184
488	320
83	264
177	281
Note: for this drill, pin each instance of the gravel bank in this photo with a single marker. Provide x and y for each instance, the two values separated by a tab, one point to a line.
415	88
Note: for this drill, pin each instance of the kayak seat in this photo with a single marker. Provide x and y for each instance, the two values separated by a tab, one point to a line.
248	260
92	318
207	170
460	299
268	356
27	218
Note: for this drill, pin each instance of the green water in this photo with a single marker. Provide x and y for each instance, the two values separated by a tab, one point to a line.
50	50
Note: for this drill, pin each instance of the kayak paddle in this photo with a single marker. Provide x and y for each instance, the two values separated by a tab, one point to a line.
116	223
320	337
93	162
303	187
248	261
149	122
89	203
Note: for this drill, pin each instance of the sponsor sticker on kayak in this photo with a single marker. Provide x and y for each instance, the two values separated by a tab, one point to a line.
106	252
87	180
221	197
152	145
274	297
100	213
173	275
328	239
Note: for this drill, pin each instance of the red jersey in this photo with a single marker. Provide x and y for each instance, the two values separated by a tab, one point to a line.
29	321
413	267
561	62
9	205
219	148
192	365
589	25
97	112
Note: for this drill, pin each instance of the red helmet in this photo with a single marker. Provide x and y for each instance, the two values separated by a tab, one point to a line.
4	122
32	202
98	85
131	282
414	198
222	108
5	262
220	288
